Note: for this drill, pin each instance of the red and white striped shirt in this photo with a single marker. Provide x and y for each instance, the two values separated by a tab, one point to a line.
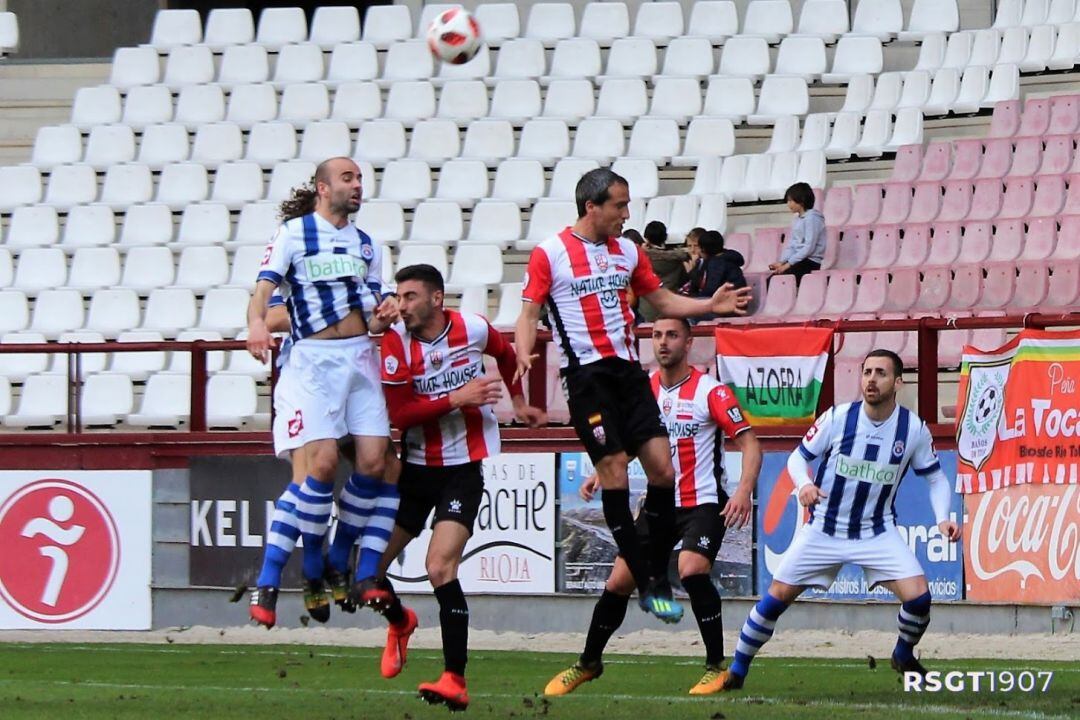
584	285
419	376
699	413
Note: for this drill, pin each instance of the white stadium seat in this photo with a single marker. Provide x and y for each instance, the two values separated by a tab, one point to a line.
575	59
331	26
409	101
384	219
387	24
237	183
107	399
257	224
435	141
169	311
631	57
181	184
500	21
89	226
147	268
550	22
134	66
566	175
126	185
436	222
180	362
356	102
139	365
14	311
855	55
604	22
144	225
113	311
189	65
95	106
217	143
56	145
57	311
33	226
94	268
463	101
43	402
826	19
71	185
353	62
570	100
279	26
90	362
15	367
201	268
251	104
204	224
490	141
270	143
380	141
476	264
406	181
166	401
231	400
299	64
714	20
163	144
175	27
659	21
931	16
245	266
243	64
462	181
288	175
771	19
515	100
108	145
198	104
229	26
147	105
494	222
518	180
880	18
420	254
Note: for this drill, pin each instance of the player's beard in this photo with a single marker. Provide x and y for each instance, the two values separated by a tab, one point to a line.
881	397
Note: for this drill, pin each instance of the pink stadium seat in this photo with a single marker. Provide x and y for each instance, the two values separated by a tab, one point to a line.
766	251
853	346
1027	157
866	205
944	244
1040	240
1008	241
951	344
810	297
966	288
740	243
847	380
837	207
914	246
937	161
975	241
997	158
1058	156
987	338
999	285
896	204
1036	118
770	235
872	292
780	298
1072	195
1006	119
832	247
967	159
1049	196
925	203
955	201
839	295
1068	239
884	246
853	248
1064	114
985	200
1074	167
902	342
908	164
1063	289
903	290
933	289
1031	287
1016	203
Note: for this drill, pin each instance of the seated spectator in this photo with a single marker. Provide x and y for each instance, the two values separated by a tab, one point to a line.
633	236
668	264
693	249
717	266
805	248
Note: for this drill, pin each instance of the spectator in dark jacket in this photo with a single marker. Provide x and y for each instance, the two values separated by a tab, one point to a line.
668	263
718	266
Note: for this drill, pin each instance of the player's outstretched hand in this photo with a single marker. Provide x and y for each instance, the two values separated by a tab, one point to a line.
259	342
589	486
729	301
524	364
950	530
810	494
530	416
484	390
737	510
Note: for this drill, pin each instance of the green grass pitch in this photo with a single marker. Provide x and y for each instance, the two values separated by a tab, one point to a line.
112	682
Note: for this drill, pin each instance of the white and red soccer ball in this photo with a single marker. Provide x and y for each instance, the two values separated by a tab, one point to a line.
454	36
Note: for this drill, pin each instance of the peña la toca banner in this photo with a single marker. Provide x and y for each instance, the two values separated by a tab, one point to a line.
1018	452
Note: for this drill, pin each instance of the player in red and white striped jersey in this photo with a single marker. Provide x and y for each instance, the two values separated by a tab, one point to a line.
440	399
699	413
582	275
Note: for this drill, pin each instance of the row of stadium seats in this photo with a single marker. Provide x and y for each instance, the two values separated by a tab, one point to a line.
551	22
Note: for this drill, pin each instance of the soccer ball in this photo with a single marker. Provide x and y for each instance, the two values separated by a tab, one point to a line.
987	405
454	36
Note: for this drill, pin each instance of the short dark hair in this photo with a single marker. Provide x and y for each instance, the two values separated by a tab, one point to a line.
633	235
801	193
897	363
656	233
711	242
427	274
594	187
681	320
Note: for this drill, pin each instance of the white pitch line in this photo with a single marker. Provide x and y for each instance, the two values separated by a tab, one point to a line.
743	699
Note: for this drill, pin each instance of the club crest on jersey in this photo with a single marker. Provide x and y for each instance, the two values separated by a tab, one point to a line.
267	254
390	365
667	406
435	358
898	447
296	425
602	262
367	252
596	421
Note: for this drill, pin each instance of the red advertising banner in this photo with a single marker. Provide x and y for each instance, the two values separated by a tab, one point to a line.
1022	544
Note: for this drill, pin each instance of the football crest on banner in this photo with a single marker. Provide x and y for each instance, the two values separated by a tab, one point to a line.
982	412
435	357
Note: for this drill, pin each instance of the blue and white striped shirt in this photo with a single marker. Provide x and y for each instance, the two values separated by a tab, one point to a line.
323	272
862	464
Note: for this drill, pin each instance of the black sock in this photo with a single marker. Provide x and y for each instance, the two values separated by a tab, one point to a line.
607	616
616	505
705	601
660	511
454	619
394	612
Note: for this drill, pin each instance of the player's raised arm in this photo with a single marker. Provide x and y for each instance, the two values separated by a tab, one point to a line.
725	301
503	352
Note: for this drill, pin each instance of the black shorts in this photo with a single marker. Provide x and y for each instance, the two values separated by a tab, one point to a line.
700	528
612	407
454	492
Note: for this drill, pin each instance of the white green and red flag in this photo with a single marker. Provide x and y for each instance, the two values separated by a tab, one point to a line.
775	372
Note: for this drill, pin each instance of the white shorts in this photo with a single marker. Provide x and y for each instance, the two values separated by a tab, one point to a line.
335	389
814	558
288	427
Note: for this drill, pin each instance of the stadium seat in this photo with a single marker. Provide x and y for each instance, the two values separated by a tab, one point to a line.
968	158
324	139
630	57
641	174
257	224
1014	46
88	226
245	267
714	20
779	96
387	24
14	311
659	21
494	222
98	105
93	268
500	21
333	25
985	47
55	312
881	18
975	242
705	136
270	143
909	161
520	59
1060	12
380	141
237	183
825	19
202	268
855	55
419	253
1040	239
958	51
520	181
147	268
357	102
33	226
689	57
943	92
43	403
463	101
231	401
71	185
877	129
986	200
744	56
280	26
224	310
113	311
1032	280
1063	288
489	141
1066	47
887	91
999	286
163	144
931	17
286	176
844	136
770	19
462	182
515	100
548	217
544	140
624	99
780	298
604	22
729	97
1004	85
181	184
304	102
575	59
189	65
383	219
229	26
436	222
476	264
107	398
175	27
974	86
936	161
435	141
916	91
677	98
803	56
839	295
138	365
180	362
149	224
944	244
599	139
569	100
566	174
1016	202
932	52
408	60
1067	250
550	22
406	182
56	145
410	101
126	185
203	224
1008	241
243	64
199	104
896	204
657	139
934	289
16	367
166	401
134	66
352	63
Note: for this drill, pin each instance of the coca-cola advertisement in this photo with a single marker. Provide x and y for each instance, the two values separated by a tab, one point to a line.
1023	544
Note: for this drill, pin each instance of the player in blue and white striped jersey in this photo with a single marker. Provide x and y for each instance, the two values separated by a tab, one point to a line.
328	273
865	448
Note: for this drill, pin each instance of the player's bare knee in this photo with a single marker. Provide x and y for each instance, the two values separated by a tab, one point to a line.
692	563
440	571
372	466
322	463
612	472
784	592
